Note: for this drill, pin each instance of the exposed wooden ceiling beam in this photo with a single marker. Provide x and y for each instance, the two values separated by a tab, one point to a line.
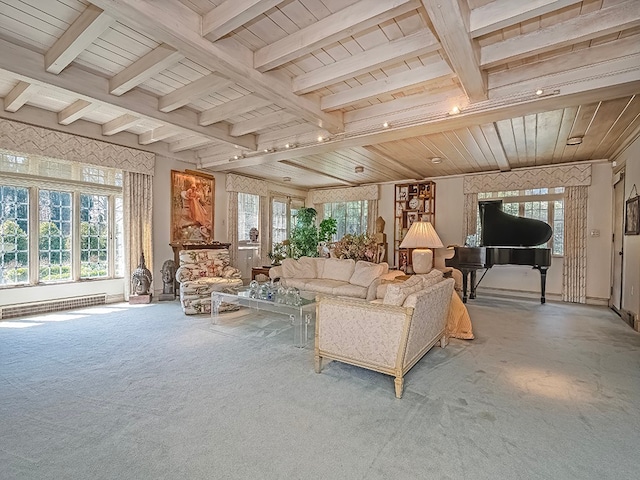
27	66
578	29
392	84
318	172
75	111
490	132
418	43
192	91
188	144
452	24
233	14
179	26
504	13
591	86
352	19
241	105
154	62
91	23
262	122
19	95
119	124
156	135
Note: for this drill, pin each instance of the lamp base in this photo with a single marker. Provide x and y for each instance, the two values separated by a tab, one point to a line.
422	260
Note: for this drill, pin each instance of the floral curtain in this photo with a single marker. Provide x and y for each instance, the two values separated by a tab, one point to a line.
137	190
574	284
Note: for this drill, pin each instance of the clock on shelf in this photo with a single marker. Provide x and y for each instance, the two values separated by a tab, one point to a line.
413	202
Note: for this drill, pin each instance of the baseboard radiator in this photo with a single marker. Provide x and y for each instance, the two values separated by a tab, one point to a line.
32	308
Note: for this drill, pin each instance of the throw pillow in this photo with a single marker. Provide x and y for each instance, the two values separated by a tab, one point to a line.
398	292
297	269
365	273
431	278
338	269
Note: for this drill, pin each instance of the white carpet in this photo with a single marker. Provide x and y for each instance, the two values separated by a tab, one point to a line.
144	392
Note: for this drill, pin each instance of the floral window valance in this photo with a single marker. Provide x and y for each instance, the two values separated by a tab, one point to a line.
240	184
23	138
556	176
350	194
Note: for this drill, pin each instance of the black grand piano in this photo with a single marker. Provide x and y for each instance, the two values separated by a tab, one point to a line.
504	240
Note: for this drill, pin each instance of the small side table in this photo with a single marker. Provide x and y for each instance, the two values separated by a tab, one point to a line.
259	271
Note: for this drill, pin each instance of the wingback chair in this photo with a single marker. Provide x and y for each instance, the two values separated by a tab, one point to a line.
202	272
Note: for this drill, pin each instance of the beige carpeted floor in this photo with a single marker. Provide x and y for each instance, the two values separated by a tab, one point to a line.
144	392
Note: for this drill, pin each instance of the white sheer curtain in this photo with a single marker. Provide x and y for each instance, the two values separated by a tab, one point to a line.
265	229
574	282
137	191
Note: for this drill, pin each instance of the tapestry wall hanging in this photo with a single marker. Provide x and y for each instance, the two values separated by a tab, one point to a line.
192	207
632	214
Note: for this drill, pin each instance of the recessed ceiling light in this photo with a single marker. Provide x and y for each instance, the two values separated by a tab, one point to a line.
287	145
385	125
455	110
539	91
359	169
320	138
574	140
436	160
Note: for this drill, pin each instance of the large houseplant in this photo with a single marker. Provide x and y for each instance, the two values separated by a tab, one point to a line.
305	235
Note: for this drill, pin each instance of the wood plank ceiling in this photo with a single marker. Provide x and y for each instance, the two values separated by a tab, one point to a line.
306	90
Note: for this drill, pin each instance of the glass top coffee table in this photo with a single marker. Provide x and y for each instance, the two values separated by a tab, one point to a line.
300	309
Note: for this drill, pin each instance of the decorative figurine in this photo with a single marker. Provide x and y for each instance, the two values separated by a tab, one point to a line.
168	281
140	283
253	234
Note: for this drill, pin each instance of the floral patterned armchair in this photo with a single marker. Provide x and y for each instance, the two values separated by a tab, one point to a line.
202	272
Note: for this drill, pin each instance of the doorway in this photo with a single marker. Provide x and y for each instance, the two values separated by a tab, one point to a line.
615	302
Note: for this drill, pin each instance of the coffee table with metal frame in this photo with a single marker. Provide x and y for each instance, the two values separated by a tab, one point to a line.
299	313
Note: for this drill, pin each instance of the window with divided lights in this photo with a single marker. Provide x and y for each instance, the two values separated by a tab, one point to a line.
248	215
60	221
351	217
546	204
283	213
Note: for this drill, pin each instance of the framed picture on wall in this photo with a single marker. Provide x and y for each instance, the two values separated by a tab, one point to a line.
192	207
632	216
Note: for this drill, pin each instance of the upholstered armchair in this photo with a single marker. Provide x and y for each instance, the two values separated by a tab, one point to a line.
389	337
202	272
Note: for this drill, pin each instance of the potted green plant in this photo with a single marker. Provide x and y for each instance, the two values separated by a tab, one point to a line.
305	235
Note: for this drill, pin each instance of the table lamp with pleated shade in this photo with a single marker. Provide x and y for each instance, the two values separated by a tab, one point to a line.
422	237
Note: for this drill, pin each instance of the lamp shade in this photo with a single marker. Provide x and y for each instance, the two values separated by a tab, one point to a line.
422	237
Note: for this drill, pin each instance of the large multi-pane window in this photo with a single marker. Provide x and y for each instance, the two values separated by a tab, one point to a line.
60	221
546	204
351	217
248	215
14	234
55	229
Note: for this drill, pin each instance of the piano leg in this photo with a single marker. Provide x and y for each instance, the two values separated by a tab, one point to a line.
465	274
543	281
472	290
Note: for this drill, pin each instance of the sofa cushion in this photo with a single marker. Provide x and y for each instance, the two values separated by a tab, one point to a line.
338	269
365	273
398	292
300	283
325	285
349	290
304	267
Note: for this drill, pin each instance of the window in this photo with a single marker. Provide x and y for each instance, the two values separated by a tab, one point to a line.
60	221
350	216
283	213
14	234
546	204
248	215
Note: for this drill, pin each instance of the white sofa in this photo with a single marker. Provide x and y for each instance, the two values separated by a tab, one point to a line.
390	336
331	276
